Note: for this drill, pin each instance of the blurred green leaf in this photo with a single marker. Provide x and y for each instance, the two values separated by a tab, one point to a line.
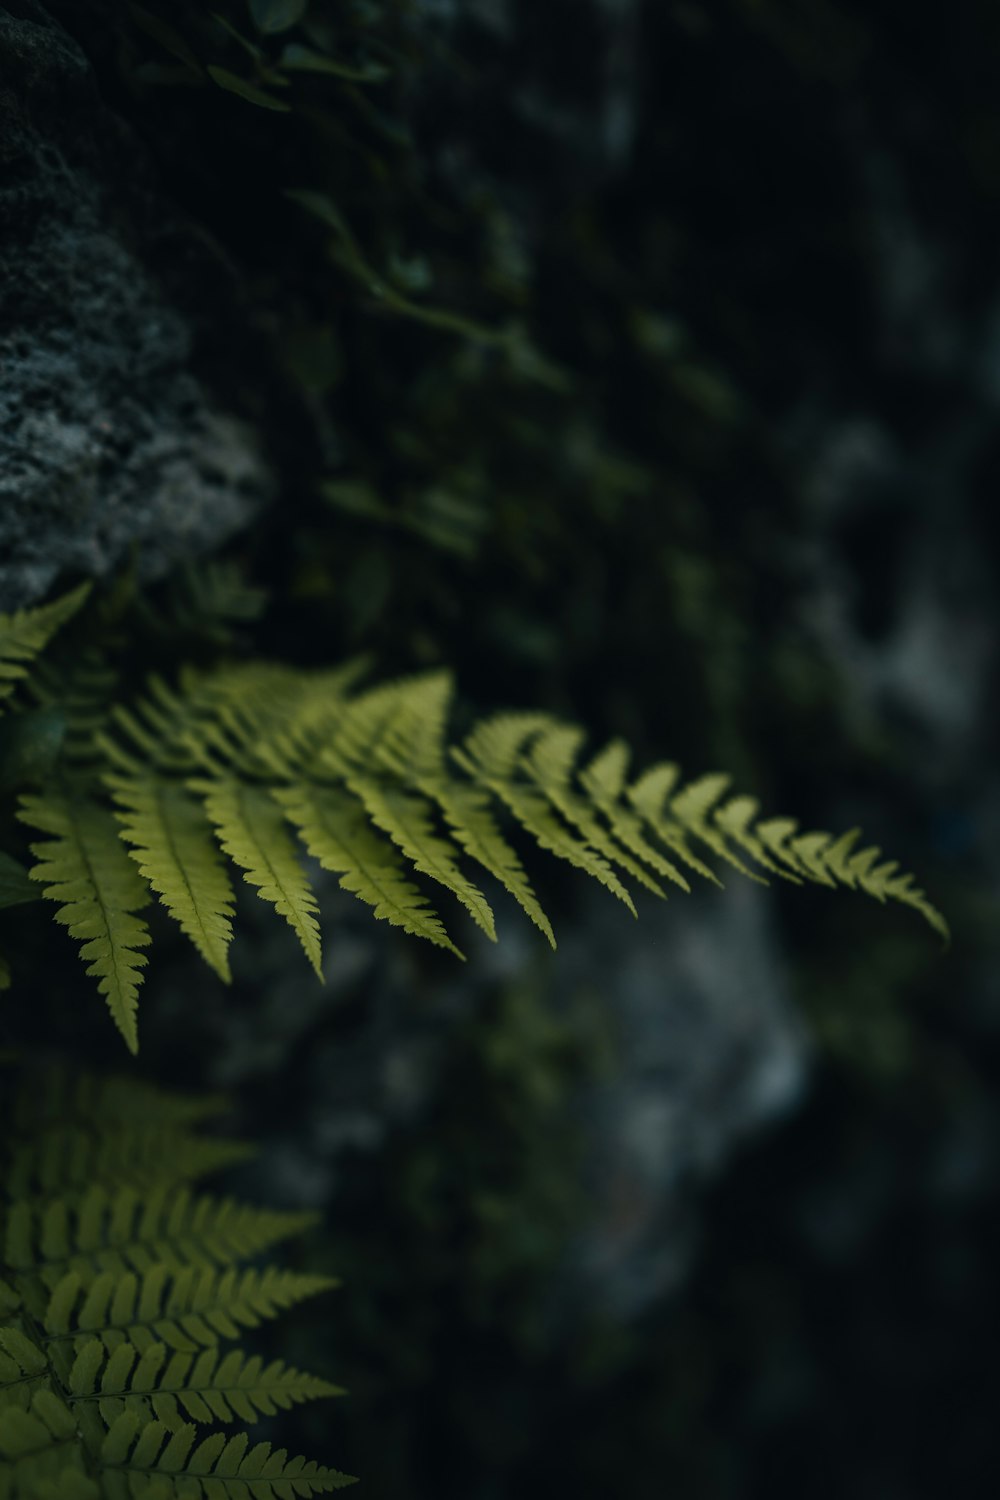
15	886
248	91
270	16
167	36
301	59
321	206
29	746
250	48
356	497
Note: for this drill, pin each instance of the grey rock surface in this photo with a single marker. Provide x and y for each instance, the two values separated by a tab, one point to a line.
109	440
712	1050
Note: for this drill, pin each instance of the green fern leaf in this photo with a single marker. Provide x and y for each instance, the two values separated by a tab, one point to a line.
23	1368
216	1467
280	721
401	813
252	831
125	1230
16	887
179	1386
604	782
84	867
176	853
691	807
337	835
735	821
373	789
406	818
648	797
59	1094
61	1161
493	755
186	1308
75	699
412	747
884	883
112	1309
467	813
550	763
28	631
818	857
40	1455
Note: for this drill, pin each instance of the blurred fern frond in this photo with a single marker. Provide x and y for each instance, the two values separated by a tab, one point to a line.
115	1302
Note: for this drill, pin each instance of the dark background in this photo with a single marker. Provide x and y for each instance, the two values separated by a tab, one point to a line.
724	484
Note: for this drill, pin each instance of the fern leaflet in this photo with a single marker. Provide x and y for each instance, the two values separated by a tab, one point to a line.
28	631
84	867
337	834
175	851
186	1307
252	832
205	1386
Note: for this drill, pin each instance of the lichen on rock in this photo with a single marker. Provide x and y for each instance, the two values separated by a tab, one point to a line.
110	440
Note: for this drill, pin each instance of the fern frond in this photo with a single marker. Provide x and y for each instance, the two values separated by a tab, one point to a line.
397	809
251	830
59	1094
648	797
126	1230
604	782
778	847
550	763
24	634
64	1160
154	729
23	1368
494	756
83	866
16	887
209	600
189	1307
406	818
371	785
693	808
176	852
113	1306
337	835
252	720
41	1457
412	747
736	819
217	1468
178	1386
79	693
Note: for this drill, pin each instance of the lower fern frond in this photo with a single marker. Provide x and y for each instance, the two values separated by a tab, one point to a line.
186	1307
113	1313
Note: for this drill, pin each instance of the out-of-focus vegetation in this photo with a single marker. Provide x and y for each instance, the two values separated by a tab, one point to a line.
639	361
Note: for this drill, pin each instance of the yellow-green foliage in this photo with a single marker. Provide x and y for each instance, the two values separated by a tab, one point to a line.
119	1290
249	765
26	632
83	866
